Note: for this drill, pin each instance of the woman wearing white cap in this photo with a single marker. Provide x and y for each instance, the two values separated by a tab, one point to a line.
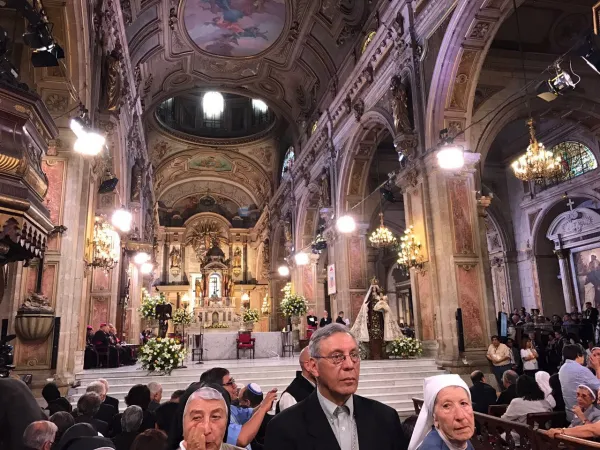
446	420
585	411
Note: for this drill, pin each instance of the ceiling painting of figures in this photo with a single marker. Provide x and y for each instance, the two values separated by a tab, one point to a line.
234	27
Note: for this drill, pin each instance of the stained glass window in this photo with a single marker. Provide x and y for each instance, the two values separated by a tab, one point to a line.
288	161
577	159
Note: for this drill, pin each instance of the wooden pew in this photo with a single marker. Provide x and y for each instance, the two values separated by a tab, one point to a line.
499	434
417	403
545	442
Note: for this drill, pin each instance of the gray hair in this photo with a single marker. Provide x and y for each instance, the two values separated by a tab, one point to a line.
38	433
104	382
132	417
97	387
510	377
314	345
205	393
154	387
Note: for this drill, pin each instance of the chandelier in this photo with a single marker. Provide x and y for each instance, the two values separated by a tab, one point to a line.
104	255
265	309
537	163
382	237
409	252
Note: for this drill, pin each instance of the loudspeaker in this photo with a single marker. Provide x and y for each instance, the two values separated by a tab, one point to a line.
460	330
55	339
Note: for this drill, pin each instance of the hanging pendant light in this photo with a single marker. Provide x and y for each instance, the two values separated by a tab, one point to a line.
409	254
537	163
382	237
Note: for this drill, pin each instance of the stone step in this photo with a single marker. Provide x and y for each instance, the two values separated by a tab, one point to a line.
393	382
193	369
259	378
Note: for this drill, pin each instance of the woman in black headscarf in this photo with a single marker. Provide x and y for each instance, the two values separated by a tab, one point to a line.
176	433
56	402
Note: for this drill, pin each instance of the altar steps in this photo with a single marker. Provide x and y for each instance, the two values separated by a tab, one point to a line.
393	382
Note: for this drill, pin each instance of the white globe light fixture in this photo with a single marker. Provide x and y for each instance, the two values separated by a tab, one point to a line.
213	104
451	157
302	259
88	142
245	297
121	219
283	271
146	268
346	224
141	258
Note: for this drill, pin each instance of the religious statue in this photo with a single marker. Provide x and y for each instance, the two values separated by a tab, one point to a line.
370	324
198	288
137	177
399	103
36	302
163	313
111	83
287	229
237	257
391	329
175	256
325	195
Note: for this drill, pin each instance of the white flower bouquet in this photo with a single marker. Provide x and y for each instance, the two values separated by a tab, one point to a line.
406	347
292	304
182	317
162	355
148	308
251	315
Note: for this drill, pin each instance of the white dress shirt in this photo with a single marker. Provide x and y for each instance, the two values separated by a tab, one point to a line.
341	420
286	400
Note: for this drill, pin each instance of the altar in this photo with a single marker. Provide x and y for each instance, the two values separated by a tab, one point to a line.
222	345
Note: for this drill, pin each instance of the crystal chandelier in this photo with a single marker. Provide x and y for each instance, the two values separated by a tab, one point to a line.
382	237
537	163
409	254
104	255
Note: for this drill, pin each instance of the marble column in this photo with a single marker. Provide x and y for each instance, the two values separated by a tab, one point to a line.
442	207
565	278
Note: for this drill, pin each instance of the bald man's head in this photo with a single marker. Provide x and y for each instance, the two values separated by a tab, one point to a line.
303	359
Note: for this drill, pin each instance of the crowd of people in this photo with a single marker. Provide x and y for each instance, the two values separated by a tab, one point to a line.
105	349
319	410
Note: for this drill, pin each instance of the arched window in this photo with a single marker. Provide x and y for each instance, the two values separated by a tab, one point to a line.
288	161
214	285
368	40
576	159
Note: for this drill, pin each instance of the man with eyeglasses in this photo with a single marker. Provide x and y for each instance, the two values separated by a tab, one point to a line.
334	417
244	423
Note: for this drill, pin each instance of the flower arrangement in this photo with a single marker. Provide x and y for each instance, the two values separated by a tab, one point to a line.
251	315
215	326
182	317
161	355
148	307
292	304
406	347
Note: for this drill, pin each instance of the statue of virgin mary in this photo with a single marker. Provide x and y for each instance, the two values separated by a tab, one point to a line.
360	329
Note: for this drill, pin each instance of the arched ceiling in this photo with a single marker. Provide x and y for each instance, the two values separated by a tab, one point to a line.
287	52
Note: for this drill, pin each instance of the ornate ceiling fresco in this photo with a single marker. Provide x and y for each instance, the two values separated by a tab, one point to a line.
234	27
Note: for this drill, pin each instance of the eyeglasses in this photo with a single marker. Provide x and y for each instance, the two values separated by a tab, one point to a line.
339	358
231	382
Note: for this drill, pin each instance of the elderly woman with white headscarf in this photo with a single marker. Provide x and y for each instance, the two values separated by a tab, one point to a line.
446	421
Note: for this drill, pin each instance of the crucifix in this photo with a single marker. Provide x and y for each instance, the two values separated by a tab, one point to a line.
570	204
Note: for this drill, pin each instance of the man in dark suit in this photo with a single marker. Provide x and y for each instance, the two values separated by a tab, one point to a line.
299	389
114	402
482	394
334	417
102	340
340	318
312	321
325	320
509	379
87	407
105	412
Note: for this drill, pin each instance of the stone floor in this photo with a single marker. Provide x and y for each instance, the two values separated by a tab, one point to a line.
393	382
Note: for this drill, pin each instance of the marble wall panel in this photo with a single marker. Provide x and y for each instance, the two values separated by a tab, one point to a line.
55	171
101	280
462	226
356	264
469	295
308	283
33	354
99	313
356	301
425	305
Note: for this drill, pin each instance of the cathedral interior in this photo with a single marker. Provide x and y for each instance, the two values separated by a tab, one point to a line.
213	151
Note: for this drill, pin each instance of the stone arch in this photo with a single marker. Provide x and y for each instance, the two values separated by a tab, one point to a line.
357	159
308	217
474	24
